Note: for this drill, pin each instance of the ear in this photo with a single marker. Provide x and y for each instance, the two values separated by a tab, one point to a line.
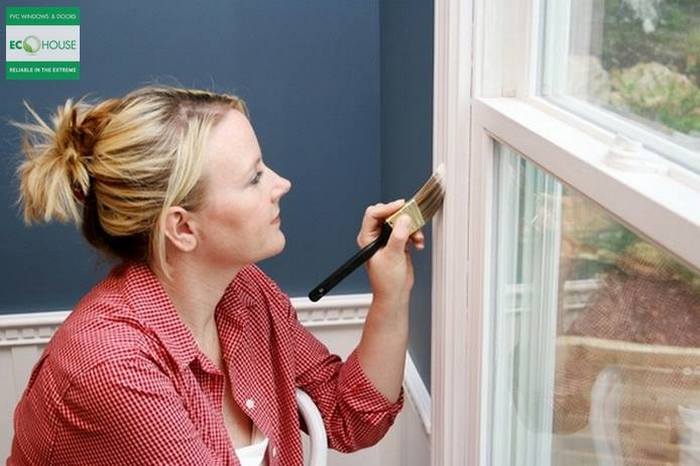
180	229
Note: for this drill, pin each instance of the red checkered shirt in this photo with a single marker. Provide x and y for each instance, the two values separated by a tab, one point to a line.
123	381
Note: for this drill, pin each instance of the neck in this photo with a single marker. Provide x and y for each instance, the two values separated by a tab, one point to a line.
195	290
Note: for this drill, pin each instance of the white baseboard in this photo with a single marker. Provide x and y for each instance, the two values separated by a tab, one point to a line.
335	320
416	389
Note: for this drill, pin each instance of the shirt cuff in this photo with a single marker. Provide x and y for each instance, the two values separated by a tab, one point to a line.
362	395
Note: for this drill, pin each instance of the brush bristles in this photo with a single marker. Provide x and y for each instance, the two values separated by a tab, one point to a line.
429	197
424	204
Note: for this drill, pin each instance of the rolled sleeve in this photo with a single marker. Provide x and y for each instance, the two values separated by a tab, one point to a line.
356	415
361	394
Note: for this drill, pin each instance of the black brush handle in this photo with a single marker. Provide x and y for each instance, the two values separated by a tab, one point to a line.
353	263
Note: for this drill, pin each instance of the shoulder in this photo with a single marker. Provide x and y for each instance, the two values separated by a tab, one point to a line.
97	346
97	331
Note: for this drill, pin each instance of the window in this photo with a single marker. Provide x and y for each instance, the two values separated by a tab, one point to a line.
630	65
573	342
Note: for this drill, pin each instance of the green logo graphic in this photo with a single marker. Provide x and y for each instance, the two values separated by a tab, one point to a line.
42	43
31	44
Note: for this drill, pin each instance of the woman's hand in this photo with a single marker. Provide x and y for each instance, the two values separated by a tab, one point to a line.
390	270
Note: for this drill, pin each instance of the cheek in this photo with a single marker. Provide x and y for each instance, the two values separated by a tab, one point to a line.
234	221
221	218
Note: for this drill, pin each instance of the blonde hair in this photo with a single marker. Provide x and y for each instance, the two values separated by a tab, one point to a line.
115	167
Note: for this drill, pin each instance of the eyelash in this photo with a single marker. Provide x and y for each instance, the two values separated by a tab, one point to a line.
256	180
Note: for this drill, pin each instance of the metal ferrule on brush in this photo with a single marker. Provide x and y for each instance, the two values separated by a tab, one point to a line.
412	210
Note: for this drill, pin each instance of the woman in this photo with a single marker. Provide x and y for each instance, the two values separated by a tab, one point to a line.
187	353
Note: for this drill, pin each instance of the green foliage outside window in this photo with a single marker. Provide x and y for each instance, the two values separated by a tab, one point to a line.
651	49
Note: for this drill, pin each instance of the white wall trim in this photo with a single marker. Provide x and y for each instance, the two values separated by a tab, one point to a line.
349	309
37	328
29	328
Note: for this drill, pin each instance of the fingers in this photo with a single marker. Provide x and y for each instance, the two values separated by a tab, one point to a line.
398	241
377	213
400	238
418	240
375	216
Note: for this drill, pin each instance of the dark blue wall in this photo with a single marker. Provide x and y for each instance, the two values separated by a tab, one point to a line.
406	31
309	71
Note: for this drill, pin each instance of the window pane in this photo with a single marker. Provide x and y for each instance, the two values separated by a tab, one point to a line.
639	59
595	356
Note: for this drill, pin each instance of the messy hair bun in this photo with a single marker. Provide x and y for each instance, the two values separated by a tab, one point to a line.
115	167
54	178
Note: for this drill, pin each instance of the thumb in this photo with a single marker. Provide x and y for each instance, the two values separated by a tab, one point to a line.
399	236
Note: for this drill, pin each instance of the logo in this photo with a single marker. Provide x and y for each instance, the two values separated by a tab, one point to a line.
30	44
42	43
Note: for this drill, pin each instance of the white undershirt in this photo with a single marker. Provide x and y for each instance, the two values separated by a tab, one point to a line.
253	454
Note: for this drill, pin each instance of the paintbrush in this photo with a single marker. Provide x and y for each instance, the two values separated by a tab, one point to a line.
421	208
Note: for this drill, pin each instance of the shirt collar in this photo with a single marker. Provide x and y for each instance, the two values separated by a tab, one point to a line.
154	308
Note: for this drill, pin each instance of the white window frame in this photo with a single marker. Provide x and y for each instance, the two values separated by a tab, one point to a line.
453	349
484	82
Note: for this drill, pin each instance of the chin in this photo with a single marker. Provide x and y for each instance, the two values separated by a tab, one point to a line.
283	243
276	250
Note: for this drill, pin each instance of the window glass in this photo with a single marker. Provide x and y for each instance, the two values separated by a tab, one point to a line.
638	59
595	353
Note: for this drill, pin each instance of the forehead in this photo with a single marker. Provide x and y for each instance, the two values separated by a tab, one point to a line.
232	144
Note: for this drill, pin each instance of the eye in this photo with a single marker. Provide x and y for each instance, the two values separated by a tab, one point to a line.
256	180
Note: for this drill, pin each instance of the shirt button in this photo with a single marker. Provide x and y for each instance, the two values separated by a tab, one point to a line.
250	403
274	451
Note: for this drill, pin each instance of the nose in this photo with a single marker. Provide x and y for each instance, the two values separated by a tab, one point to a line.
283	186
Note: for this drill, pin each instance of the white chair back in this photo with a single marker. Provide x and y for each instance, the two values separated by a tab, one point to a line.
317	431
